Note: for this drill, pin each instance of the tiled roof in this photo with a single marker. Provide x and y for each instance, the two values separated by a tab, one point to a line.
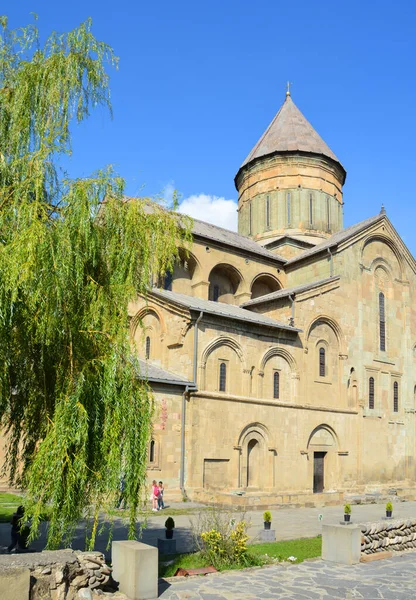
337	238
219	234
158	375
290	132
289	291
232	238
220	309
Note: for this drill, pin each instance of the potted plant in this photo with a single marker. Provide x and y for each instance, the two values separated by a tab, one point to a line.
347	512
170	526
267	518
389	509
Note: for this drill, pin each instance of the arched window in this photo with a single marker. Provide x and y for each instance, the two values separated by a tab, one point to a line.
267	212
395	397
289	208
276	384
321	362
223	377
311	209
216	293
152	451
382	320
147	347
371	393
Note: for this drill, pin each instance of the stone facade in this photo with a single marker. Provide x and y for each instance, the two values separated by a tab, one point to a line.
318	398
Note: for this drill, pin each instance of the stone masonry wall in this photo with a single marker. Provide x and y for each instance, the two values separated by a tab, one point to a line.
61	575
388	535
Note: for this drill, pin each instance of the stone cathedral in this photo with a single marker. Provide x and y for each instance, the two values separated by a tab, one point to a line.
282	357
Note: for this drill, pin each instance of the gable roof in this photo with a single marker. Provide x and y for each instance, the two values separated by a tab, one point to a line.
233	239
158	375
290	131
220	309
337	238
289	291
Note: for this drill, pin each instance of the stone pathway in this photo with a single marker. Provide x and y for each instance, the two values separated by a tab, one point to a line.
389	579
289	523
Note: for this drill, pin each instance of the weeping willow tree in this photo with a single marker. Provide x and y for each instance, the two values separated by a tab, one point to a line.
73	253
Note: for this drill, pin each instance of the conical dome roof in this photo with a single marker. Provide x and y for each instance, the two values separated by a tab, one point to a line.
289	132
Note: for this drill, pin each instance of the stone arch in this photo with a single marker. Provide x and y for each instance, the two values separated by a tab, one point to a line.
329	436
334	326
278	360
383	239
225	281
264	283
228	351
323	445
147	329
255	470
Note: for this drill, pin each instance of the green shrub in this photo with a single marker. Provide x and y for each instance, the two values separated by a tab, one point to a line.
267	516
169	524
347	509
389	506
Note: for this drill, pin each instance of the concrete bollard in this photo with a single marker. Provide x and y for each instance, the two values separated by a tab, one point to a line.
341	544
135	567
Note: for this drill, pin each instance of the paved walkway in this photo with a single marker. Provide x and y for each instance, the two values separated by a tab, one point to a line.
289	523
390	579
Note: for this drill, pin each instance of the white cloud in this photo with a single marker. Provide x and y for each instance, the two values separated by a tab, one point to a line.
213	209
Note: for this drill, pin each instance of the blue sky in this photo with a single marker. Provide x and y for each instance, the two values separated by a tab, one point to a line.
199	82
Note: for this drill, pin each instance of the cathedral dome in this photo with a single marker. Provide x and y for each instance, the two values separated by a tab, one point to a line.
290	184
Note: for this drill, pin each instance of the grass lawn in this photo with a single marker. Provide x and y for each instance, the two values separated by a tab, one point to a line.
261	553
300	549
8	505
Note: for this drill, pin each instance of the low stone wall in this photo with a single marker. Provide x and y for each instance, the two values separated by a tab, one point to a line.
61	575
394	535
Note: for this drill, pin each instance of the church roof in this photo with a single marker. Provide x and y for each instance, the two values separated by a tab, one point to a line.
220	309
289	291
156	374
337	238
289	131
233	239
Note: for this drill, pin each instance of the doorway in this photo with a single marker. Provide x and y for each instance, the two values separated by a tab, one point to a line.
318	472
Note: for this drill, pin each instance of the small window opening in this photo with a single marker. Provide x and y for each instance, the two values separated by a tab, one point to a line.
289	208
152	451
216	293
395	397
167	284
147	347
250	218
382	319
223	377
322	362
371	393
276	385
267	212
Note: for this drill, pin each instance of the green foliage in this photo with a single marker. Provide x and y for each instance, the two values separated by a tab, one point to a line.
389	506
267	516
170	523
347	509
221	537
73	254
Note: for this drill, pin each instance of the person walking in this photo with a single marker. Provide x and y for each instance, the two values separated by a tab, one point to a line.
160	501
155	496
